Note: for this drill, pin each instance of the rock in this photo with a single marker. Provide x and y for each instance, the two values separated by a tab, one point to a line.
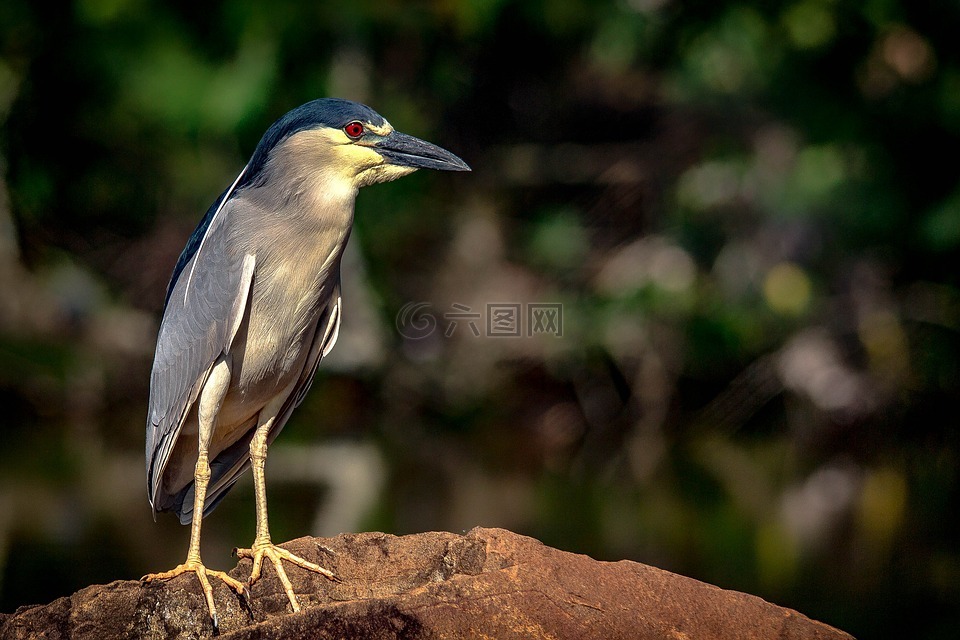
489	583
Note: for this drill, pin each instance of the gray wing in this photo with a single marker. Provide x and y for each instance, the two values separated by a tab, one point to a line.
204	310
231	463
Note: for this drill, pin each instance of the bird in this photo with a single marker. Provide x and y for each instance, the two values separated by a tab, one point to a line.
251	309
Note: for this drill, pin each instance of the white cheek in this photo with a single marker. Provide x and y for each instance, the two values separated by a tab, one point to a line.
382	173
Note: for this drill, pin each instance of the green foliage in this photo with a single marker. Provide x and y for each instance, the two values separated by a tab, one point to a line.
748	211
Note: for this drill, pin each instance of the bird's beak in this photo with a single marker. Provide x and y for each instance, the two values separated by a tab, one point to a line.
406	151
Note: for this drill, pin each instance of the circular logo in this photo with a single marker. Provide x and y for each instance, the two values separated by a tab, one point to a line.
415	322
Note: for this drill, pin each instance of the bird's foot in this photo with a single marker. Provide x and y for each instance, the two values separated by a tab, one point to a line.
276	554
201	572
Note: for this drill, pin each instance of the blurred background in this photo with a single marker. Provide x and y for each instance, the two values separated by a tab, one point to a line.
747	213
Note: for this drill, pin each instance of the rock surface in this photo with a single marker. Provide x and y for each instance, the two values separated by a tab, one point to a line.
489	583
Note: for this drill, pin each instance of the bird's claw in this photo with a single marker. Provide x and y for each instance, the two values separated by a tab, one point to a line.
276	554
202	572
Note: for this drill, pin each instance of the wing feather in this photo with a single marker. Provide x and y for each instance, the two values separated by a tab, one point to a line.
200	320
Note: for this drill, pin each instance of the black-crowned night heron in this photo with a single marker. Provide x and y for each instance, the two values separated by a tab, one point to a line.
252	308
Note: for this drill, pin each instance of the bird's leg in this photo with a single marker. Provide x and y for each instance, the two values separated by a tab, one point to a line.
210	400
262	545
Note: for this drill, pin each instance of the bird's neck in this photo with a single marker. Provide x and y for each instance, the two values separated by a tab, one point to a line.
305	216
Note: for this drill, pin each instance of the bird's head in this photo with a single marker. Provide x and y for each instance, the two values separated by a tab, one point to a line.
347	141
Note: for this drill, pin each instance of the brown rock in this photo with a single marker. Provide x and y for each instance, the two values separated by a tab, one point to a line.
489	583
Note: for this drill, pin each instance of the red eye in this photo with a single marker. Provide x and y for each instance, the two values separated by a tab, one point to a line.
354	130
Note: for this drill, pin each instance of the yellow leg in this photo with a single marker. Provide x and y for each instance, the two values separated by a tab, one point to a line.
210	399
262	545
